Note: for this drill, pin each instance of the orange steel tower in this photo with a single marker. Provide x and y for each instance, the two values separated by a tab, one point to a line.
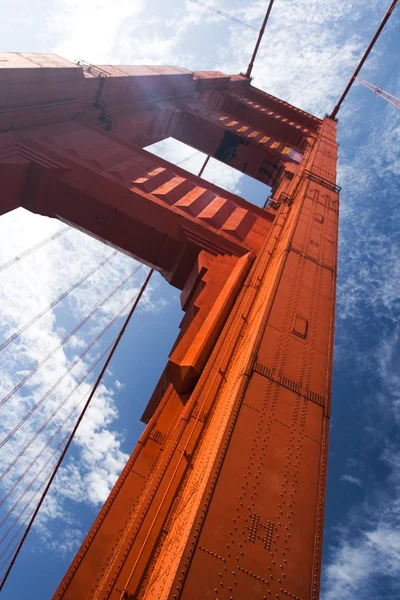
223	496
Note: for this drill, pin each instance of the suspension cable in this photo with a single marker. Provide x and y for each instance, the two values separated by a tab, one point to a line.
32	249
3	565
29	486
260	36
380	92
184	160
203	167
68	370
46	395
55	302
55	433
78	422
52	455
222	14
65	340
364	58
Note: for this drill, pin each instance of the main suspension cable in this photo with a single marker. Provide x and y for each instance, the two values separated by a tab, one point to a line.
55	302
65	340
364	58
78	422
26	253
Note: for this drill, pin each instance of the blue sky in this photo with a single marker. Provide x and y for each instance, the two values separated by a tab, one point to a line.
309	51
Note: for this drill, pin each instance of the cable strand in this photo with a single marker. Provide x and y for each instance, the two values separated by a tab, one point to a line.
32	249
43	426
65	340
79	420
222	14
55	302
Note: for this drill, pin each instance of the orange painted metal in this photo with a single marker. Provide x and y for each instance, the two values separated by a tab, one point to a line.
223	496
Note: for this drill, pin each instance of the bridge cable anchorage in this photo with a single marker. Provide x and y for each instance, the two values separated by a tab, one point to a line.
223	14
78	422
68	337
364	58
380	92
32	249
55	302
260	36
47	394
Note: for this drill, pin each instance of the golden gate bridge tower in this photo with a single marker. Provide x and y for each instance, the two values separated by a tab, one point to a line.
223	496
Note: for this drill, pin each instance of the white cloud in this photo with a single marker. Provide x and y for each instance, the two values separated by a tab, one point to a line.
361	559
89	30
351	479
308	52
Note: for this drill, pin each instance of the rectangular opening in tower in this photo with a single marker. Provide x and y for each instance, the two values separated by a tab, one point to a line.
188	158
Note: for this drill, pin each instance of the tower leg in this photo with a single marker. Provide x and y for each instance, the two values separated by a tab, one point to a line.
223	496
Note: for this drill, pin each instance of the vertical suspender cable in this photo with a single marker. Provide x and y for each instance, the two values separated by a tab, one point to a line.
55	302
19	257
223	14
78	422
65	340
205	163
260	36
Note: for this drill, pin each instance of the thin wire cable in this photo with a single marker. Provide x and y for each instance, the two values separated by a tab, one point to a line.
56	410
28	503
5	562
184	160
66	372
55	433
20	528
222	14
78	422
364	58
51	457
15	335
380	92
49	441
30	485
26	253
65	340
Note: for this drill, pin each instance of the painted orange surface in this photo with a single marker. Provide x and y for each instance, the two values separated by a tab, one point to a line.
223	496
